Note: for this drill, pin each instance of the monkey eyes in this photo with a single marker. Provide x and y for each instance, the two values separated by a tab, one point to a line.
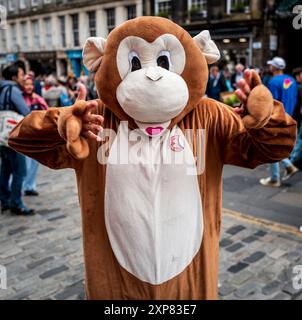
135	64
163	61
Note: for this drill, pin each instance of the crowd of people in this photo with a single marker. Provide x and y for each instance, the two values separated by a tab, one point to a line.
284	88
25	93
62	91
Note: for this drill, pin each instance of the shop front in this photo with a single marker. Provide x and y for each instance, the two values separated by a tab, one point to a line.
6	59
76	61
41	62
235	46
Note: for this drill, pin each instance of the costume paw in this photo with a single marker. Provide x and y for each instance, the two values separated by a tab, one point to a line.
257	101
70	127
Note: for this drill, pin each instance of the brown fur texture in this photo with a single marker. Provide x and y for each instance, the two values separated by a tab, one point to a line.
46	136
227	142
150	28
260	105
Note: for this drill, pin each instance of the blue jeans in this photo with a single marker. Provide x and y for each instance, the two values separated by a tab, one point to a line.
275	170
30	179
12	164
296	155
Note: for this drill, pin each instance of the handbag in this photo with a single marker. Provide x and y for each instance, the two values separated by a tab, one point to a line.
8	118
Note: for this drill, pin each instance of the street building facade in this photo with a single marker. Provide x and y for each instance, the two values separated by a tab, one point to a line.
246	31
49	34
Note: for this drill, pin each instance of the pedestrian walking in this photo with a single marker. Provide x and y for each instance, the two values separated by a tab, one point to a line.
65	99
296	156
216	83
72	87
283	88
52	93
37	84
34	102
237	76
13	164
266	75
228	79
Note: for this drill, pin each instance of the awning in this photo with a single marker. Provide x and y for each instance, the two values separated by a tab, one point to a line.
229	33
42	55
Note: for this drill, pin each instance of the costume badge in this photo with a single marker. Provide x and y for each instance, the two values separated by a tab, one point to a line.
177	143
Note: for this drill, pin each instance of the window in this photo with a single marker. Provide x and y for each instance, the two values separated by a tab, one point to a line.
48	32
75	29
47	1
198	7
22	4
3	40
14	36
36	34
163	8
24	30
62	31
110	19
34	3
11	5
92	23
131	12
238	6
3	14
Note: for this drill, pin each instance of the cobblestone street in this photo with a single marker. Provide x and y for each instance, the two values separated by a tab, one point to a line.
43	253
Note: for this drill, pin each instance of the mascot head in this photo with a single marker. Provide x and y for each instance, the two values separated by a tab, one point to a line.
150	70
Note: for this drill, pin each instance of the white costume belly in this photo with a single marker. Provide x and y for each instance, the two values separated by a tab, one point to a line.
153	211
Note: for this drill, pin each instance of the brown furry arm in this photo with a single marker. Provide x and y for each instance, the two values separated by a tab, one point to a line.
52	137
252	147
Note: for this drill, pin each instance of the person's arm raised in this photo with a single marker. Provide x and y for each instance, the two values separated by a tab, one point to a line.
58	137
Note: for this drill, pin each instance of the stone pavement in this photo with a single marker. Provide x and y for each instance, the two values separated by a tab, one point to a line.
242	192
44	260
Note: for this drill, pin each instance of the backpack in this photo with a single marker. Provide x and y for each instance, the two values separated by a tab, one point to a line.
8	118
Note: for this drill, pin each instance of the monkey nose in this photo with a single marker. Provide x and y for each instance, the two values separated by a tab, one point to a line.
153	73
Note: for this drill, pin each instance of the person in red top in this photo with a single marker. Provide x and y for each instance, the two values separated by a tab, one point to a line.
34	102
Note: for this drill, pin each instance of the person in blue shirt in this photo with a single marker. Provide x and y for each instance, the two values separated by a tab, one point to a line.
12	163
284	89
296	156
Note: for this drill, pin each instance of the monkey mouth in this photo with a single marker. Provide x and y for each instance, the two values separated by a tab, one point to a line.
154	131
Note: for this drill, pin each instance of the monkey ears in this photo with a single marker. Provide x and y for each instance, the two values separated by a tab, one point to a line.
207	46
93	52
94	47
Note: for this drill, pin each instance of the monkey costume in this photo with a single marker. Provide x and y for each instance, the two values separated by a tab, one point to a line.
151	198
